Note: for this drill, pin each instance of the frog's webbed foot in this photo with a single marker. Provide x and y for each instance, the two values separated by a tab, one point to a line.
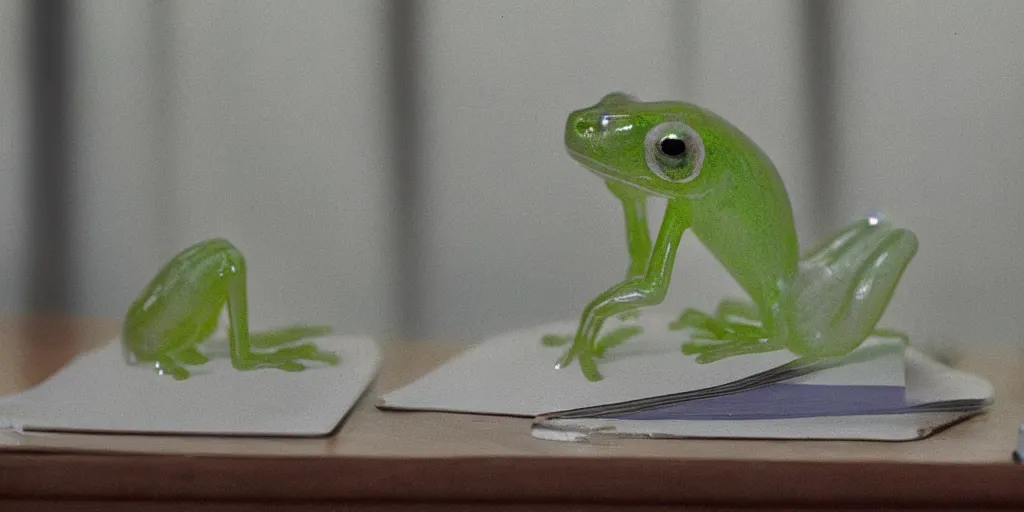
168	366
845	285
588	354
732	318
610	339
734	329
709	350
174	363
287	359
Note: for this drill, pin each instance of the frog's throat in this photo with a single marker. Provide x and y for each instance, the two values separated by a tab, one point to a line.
612	173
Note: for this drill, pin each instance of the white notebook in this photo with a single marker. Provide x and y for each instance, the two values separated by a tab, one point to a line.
650	389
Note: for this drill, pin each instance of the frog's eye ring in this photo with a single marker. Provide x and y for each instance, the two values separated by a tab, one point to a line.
674	152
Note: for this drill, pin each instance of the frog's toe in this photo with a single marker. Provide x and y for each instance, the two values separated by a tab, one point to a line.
291	366
172	368
555	340
287	359
709	351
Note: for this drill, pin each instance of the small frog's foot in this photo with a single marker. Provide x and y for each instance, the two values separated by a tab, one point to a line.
287	359
171	367
587	355
709	350
733	319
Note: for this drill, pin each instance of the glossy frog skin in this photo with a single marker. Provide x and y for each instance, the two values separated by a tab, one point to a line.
179	309
720	185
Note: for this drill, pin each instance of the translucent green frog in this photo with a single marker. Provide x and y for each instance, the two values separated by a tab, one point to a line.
180	309
720	185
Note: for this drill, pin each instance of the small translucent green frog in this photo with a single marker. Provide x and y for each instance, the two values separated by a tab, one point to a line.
719	184
180	309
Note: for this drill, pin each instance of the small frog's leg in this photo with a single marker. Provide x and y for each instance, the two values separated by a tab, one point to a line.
638	237
242	355
286	335
632	293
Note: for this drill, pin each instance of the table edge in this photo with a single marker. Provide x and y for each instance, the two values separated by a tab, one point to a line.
507	479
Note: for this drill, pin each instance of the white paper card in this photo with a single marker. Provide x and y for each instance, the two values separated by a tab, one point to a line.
513	374
98	392
891	427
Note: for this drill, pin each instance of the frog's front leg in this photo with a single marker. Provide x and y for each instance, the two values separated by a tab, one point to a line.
242	355
631	293
638	244
638	237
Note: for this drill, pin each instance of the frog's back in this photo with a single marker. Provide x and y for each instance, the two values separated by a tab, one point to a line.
744	216
182	304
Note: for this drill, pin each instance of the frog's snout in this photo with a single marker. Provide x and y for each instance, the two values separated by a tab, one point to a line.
581	124
579	127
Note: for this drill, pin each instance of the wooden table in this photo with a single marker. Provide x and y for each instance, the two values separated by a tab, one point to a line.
430	461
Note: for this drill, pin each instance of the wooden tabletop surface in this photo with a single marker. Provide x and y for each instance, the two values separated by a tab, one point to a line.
398	457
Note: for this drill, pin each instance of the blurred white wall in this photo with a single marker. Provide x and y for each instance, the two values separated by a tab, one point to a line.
121	236
266	122
13	154
931	122
255	121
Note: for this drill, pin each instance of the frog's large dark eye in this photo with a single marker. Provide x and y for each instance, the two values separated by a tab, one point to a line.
672	146
674	152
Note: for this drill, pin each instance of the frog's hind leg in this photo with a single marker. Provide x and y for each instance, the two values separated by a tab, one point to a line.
843	292
242	355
